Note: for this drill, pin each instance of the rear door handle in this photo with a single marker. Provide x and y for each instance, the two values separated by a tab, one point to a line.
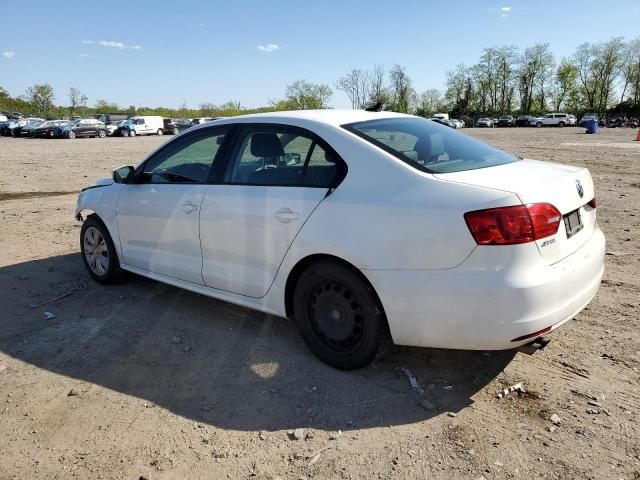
189	207
286	215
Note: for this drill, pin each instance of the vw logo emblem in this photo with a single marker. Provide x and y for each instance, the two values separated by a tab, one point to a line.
579	188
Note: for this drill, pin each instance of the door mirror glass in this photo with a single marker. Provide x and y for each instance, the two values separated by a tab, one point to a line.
123	174
292	158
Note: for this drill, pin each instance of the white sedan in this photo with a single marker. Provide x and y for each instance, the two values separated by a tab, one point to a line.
357	224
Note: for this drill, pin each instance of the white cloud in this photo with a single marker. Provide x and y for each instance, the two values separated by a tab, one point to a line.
113	44
505	9
268	48
82	56
8	55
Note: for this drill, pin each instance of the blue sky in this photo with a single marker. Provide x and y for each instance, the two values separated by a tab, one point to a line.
163	53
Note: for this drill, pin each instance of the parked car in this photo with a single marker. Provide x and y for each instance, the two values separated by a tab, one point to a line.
573	120
442	121
301	215
588	116
457	123
113	126
170	126
3	118
485	122
88	127
199	121
45	130
9	127
506	121
27	130
523	120
142	125
550	120
181	124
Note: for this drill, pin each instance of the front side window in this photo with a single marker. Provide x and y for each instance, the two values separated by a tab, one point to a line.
428	146
282	156
188	160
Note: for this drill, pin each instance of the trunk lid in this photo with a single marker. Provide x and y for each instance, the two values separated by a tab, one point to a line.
537	182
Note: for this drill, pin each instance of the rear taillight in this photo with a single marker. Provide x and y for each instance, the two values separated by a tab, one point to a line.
592	203
513	225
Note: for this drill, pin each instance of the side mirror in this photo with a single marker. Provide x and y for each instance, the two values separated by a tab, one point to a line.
292	158
123	174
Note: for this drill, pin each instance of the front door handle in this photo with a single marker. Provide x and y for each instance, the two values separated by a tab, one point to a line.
286	215
189	207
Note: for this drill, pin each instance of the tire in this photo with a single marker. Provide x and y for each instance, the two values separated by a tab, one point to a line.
71	135
102	133
98	252
561	124
124	133
132	133
539	124
160	132
339	315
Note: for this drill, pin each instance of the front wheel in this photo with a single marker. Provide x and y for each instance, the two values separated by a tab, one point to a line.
338	315
102	134
98	252
132	133
71	135
539	124
561	124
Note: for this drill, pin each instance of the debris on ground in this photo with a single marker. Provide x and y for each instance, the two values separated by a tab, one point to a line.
513	388
49	315
77	287
335	435
413	381
555	419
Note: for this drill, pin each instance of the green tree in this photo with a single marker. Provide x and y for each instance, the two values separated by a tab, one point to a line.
566	86
303	95
401	90
105	106
40	96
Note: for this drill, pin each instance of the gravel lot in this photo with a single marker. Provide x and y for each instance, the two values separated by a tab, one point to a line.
143	379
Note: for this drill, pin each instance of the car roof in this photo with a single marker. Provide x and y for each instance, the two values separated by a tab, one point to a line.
334	117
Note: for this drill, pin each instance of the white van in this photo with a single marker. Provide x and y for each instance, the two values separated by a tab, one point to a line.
441	116
146	125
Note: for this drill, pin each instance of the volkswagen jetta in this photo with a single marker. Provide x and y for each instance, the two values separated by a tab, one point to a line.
358	225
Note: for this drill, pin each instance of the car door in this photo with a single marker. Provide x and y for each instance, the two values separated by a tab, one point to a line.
158	216
275	178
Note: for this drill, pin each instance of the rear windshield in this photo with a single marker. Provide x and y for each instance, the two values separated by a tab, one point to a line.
429	146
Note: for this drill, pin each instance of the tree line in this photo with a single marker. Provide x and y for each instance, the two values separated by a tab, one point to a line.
598	77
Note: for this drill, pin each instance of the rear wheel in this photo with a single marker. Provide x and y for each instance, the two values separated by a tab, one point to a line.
338	315
160	132
98	252
132	133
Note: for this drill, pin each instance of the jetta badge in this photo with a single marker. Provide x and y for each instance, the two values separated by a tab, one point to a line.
579	188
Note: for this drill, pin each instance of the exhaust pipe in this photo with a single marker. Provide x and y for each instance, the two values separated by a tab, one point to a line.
533	346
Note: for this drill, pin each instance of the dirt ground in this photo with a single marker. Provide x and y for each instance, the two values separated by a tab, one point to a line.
146	380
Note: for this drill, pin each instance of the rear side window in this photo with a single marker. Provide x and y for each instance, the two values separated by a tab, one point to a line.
282	156
428	146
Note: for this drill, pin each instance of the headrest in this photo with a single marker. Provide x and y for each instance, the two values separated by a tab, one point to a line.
266	145
423	148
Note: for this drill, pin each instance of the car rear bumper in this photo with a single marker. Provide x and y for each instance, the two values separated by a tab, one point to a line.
480	305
